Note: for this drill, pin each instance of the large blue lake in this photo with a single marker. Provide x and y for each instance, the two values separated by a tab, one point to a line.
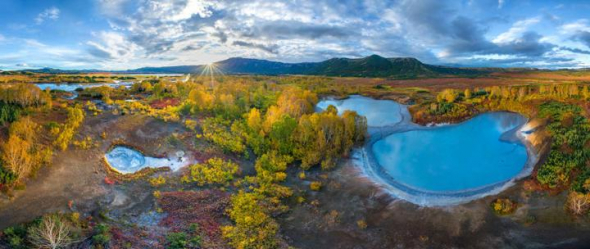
458	157
438	165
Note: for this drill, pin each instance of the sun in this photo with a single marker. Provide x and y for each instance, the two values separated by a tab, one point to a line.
210	71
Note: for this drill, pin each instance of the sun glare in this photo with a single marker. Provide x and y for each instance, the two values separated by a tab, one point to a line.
209	72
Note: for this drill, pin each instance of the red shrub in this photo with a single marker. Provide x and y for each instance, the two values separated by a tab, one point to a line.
205	208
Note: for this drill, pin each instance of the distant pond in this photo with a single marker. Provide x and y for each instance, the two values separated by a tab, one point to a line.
72	87
440	165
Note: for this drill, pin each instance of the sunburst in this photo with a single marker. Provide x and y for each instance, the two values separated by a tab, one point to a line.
209	72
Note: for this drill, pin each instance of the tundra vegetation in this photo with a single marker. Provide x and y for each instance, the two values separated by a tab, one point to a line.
270	124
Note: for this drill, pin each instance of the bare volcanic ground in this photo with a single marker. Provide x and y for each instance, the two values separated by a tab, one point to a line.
77	180
334	219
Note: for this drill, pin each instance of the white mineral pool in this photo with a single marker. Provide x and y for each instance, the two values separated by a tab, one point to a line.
127	161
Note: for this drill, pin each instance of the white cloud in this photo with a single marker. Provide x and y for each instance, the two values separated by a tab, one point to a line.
516	31
112	7
169	32
34	43
2	38
573	27
112	46
51	13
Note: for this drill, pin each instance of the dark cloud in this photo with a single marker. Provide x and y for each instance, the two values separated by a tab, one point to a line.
575	50
99	53
582	36
430	16
290	29
528	44
272	49
467	37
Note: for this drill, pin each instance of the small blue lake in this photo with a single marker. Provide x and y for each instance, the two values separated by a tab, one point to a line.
458	157
70	87
378	112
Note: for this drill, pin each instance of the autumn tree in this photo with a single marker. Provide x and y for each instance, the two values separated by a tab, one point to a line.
585	93
467	93
74	120
254	120
448	95
16	157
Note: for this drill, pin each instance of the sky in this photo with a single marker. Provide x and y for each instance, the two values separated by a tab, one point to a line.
126	34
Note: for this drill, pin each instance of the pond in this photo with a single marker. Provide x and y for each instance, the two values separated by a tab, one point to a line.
378	112
71	87
126	160
439	165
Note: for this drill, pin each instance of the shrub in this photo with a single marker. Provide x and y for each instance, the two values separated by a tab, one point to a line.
253	228
362	224
181	240
6	177
315	186
102	236
302	175
15	237
157	181
213	171
504	206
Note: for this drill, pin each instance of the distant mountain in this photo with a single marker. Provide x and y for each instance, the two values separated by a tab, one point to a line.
60	71
370	66
377	66
164	70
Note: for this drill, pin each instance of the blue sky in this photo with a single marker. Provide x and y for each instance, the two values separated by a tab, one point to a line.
123	34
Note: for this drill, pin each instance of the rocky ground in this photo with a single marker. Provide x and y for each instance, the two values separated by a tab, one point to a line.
348	197
78	179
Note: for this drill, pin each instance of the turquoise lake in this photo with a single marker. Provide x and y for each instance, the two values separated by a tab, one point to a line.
464	156
438	165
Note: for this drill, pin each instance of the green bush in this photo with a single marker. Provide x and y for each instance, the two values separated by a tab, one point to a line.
181	240
102	236
8	112
15	237
6	177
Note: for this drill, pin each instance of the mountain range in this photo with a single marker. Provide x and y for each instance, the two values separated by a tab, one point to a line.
370	66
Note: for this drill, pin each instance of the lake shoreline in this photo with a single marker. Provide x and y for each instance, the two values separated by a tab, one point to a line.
365	159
